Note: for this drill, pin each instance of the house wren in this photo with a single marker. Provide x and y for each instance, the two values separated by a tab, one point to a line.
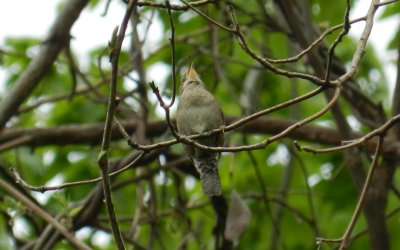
198	111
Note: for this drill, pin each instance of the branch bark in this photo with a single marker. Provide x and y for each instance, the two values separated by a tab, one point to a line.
56	40
366	111
90	134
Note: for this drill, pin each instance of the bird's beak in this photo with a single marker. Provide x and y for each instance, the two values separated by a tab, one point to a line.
191	72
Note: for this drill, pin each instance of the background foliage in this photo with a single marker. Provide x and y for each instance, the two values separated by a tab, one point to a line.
295	197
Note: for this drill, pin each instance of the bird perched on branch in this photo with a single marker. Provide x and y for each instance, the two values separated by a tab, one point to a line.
198	112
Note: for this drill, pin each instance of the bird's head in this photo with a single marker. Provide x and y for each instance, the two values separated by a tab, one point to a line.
190	78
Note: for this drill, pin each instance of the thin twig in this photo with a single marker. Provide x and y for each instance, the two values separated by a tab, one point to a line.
379	131
105	11
264	143
331	51
314	44
283	203
105	146
54	98
265	196
236	124
172	41
21	140
175	6
43	189
243	43
309	192
386	2
27	81
364	231
44	215
363	195
344	240
369	22
156	91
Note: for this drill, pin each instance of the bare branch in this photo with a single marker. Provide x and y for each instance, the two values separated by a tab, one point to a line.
44	215
56	40
105	146
381	131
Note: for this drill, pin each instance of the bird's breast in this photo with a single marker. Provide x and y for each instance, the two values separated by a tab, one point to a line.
198	111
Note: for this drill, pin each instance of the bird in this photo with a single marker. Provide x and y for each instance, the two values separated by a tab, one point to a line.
198	111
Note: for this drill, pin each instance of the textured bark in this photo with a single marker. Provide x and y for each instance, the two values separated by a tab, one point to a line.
371	114
90	134
56	40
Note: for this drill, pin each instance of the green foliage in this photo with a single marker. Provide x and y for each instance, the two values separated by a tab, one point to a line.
392	11
17	63
163	223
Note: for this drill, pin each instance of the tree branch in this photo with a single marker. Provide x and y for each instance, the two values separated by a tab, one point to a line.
115	47
44	215
56	40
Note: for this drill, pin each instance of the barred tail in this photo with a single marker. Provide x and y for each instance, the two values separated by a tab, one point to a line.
209	177
210	183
